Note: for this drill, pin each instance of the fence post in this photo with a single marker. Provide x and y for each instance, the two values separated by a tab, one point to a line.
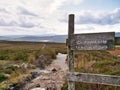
71	84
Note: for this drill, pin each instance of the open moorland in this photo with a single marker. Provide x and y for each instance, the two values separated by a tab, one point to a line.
18	59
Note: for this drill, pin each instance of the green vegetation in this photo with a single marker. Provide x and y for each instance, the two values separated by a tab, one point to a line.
13	55
2	77
65	86
4	55
10	69
117	72
18	59
50	52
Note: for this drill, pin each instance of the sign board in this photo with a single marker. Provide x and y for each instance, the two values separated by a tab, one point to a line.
93	41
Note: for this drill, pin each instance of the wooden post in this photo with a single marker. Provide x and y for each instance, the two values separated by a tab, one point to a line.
71	84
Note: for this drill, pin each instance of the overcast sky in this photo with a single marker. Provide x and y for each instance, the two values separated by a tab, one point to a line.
45	17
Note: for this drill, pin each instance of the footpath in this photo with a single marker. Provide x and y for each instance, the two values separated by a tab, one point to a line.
52	78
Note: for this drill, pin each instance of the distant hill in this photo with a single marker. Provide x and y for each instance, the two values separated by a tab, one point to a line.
52	38
55	38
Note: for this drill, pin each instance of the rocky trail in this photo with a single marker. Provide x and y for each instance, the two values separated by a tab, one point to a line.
52	78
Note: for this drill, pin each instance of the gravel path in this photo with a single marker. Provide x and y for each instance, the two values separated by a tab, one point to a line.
53	77
59	63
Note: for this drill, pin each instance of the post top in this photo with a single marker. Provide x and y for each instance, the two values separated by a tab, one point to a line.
71	14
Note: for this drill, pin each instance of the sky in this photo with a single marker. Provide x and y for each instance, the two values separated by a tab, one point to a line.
50	17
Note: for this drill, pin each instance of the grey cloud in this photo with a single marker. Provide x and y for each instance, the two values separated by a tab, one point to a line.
20	21
27	25
25	11
4	23
108	18
3	10
14	23
102	19
87	28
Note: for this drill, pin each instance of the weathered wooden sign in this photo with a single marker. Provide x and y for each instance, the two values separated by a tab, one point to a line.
93	41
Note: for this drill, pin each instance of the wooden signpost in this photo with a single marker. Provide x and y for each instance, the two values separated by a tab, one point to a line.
91	41
70	51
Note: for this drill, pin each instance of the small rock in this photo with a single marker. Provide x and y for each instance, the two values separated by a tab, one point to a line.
54	70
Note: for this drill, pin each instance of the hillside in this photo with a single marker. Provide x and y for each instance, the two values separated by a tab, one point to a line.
54	38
